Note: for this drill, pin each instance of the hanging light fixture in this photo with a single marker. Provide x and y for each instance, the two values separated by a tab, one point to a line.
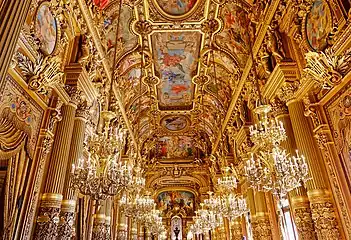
214	209
227	183
103	173
138	207
267	132
153	222
271	169
276	172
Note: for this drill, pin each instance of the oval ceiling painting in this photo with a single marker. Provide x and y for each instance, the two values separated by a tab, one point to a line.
46	29
176	8
318	25
175	123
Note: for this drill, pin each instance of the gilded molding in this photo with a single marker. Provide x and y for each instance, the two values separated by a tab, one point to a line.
325	222
285	71
261	228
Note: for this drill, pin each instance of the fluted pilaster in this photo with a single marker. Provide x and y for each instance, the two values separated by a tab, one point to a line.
67	215
46	228
13	14
322	209
300	205
60	151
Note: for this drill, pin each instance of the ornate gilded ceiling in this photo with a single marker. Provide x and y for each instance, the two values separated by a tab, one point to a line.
184	97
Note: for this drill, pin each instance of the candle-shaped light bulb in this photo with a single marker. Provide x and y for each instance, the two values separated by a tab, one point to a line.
73	168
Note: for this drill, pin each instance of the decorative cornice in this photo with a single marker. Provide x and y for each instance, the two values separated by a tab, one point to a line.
285	71
260	37
76	72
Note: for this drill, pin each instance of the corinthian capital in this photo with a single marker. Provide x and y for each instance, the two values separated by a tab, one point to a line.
288	91
278	107
83	110
75	94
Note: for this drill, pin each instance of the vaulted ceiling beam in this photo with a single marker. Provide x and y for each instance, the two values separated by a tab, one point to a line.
97	42
260	37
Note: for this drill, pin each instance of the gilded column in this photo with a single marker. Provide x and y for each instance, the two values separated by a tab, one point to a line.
206	235
13	14
108	218
122	227
300	205
134	235
99	227
236	229
48	218
148	235
67	215
322	209
140	232
261	226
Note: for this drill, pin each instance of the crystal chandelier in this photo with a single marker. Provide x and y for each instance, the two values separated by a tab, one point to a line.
235	206
277	172
228	182
205	220
137	207
214	209
103	173
227	205
153	222
267	132
272	169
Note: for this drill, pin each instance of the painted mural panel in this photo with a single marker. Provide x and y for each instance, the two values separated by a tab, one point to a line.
339	114
175	123
168	201
176	7
126	39
234	36
46	29
175	147
176	62
18	107
318	25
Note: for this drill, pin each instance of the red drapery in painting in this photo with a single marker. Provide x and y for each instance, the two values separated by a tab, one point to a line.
14	155
101	3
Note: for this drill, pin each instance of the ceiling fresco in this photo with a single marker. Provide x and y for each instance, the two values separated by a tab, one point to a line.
175	57
177	65
234	36
176	7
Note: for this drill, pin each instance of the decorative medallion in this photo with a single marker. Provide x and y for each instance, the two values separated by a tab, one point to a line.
175	123
176	8
46	29
319	24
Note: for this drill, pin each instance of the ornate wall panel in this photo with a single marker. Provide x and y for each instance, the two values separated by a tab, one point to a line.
338	111
19	107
